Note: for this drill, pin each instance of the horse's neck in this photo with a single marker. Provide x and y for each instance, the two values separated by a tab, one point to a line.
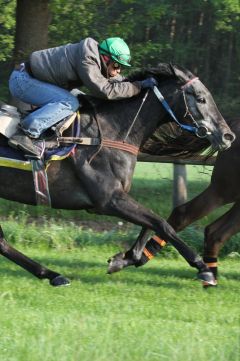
119	120
115	119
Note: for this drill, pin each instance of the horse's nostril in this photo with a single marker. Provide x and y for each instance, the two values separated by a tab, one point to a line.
229	136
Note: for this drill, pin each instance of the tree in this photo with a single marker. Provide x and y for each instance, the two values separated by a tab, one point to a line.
7	27
32	20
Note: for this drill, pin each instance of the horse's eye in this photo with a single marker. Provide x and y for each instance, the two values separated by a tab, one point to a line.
201	100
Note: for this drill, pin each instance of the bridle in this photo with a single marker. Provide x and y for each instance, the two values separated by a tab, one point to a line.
201	131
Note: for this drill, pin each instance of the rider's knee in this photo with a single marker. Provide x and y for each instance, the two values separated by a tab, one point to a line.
73	103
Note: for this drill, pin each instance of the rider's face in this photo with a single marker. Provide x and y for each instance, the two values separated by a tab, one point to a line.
113	68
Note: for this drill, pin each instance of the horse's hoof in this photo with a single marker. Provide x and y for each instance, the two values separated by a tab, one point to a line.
116	263
59	281
207	278
207	285
117	256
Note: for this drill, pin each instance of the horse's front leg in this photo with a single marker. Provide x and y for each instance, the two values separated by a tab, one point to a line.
180	218
29	265
217	233
122	205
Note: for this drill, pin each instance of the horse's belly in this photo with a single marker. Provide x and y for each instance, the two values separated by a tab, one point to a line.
17	185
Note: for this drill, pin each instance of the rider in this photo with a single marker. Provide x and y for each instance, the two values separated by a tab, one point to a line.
47	78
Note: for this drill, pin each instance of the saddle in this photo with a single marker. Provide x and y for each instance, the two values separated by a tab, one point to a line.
54	138
35	155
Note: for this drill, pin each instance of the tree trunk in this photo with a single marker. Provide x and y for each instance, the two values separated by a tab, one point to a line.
32	19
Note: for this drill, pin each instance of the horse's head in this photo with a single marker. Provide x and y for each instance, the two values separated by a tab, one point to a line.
201	110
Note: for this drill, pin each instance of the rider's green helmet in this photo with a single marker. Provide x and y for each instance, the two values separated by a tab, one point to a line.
117	49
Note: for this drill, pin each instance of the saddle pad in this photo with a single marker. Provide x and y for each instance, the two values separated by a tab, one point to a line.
13	158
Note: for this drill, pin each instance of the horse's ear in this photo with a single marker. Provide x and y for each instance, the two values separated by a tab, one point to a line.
182	74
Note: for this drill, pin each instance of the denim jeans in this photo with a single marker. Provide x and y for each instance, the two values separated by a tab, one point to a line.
56	103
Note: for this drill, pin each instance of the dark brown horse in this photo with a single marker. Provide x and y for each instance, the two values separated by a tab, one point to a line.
99	178
223	189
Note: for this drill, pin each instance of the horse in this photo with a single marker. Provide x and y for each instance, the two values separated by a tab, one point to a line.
223	189
97	177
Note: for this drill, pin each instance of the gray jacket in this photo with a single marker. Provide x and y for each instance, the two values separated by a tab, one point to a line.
72	65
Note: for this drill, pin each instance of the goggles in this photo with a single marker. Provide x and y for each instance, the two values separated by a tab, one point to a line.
116	65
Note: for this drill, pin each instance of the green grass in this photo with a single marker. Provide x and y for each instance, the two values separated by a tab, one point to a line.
158	312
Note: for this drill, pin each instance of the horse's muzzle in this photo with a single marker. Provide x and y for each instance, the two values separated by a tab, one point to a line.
228	139
221	140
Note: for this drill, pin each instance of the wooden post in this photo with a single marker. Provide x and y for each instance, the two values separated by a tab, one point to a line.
179	184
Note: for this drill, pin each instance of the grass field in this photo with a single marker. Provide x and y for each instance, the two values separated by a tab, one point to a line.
157	312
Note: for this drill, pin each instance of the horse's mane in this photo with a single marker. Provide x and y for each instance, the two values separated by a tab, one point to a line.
169	139
162	72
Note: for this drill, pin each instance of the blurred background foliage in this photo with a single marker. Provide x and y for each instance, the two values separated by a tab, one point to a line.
203	35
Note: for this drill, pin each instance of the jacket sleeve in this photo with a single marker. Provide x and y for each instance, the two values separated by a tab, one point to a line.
101	87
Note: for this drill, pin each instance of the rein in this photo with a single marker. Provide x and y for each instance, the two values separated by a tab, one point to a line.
169	110
199	130
135	118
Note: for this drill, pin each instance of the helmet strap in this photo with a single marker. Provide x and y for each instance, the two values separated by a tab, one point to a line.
106	59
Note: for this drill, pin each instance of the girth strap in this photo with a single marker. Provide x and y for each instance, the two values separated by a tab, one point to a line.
104	143
120	145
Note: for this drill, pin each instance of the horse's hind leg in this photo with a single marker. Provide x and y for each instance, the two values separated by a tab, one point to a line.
217	233
29	265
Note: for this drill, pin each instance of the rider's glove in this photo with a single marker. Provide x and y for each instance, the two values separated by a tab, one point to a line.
149	83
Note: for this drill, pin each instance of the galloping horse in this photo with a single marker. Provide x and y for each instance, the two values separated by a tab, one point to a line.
98	178
223	189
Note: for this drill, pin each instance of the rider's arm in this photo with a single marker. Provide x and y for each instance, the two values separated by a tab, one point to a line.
90	74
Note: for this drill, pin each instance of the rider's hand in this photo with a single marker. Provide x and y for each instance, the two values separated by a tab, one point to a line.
149	83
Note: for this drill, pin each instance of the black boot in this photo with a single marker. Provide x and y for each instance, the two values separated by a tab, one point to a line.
24	143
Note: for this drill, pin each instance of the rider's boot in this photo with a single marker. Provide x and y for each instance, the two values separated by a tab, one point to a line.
21	141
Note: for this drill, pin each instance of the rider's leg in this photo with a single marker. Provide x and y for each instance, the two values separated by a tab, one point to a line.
56	103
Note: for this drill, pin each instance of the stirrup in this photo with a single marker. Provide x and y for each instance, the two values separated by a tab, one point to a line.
25	144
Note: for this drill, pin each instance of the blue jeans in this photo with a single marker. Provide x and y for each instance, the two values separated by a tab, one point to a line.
56	103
